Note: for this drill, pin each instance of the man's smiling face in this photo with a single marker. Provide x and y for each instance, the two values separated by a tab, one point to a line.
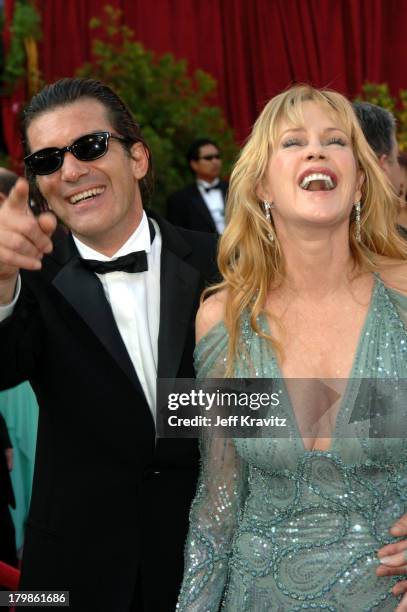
98	200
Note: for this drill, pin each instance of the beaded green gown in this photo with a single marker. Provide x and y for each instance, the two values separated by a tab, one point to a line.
276	528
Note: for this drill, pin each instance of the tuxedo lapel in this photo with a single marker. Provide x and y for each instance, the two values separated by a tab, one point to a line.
180	286
224	189
200	207
84	291
180	289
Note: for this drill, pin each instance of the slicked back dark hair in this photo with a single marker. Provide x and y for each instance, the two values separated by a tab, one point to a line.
193	151
67	91
378	125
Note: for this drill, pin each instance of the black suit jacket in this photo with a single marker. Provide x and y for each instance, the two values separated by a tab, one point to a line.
109	506
187	208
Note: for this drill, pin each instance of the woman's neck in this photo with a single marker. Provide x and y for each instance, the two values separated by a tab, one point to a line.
317	267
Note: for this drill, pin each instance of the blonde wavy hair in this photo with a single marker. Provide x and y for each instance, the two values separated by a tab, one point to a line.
249	262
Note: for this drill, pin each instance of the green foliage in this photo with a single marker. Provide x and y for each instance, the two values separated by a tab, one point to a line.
26	23
5	160
172	107
378	93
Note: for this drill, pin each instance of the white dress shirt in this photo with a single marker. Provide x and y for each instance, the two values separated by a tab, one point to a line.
135	302
215	203
6	310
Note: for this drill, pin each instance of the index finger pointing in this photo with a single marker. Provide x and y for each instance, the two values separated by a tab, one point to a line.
18	197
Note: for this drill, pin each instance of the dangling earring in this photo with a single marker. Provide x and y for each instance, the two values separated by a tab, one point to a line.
267	207
357	221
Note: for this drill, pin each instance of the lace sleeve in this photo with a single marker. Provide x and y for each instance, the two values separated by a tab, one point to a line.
213	518
219	498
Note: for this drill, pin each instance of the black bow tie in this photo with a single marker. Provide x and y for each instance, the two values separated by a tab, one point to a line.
208	189
132	263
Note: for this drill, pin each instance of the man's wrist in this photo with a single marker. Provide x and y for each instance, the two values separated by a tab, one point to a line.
8	290
9	294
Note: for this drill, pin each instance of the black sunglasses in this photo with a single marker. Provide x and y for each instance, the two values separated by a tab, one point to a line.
85	148
210	157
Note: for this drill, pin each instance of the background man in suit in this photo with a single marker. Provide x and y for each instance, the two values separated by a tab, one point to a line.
379	128
8	552
91	322
201	205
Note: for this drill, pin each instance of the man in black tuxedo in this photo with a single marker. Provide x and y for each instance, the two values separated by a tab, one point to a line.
201	205
91	322
8	552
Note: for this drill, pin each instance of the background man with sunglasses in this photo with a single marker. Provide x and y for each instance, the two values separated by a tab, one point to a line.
92	321
201	205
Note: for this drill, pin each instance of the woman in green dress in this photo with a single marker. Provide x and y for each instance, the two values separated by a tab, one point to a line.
314	288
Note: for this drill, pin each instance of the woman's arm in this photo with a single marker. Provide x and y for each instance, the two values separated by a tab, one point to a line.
213	519
221	487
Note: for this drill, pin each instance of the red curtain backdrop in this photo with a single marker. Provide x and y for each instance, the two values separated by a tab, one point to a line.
254	48
11	105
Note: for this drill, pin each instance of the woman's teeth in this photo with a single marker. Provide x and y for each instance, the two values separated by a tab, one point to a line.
317	182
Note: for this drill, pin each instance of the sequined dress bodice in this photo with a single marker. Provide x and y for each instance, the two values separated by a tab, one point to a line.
274	527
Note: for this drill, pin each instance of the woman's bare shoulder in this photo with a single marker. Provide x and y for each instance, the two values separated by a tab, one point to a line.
210	313
393	273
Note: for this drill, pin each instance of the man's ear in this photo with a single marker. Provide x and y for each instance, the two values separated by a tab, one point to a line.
2	197
382	159
140	160
193	164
